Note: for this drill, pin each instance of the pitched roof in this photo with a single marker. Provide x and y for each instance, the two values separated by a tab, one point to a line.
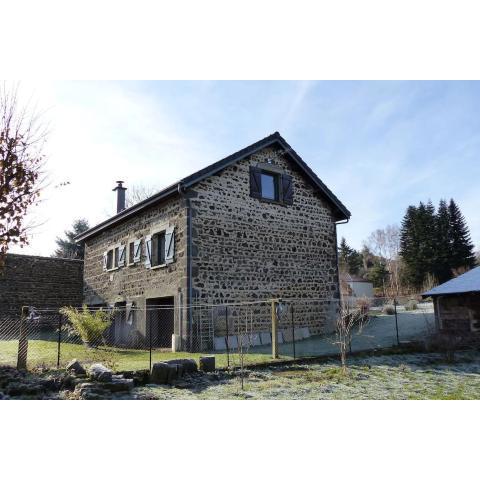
275	139
466	283
348	277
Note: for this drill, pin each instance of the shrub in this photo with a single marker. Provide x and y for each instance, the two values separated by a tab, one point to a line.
363	303
388	309
89	325
411	305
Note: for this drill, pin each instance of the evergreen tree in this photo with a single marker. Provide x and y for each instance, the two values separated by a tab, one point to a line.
427	239
409	246
67	247
434	245
443	270
462	254
348	258
378	275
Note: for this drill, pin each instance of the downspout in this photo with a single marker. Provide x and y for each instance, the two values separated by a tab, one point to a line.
189	312
336	256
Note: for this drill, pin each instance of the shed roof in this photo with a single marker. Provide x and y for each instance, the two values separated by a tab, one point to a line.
348	277
342	212
466	283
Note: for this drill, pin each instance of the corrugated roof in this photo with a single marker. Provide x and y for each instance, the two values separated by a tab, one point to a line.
468	282
342	212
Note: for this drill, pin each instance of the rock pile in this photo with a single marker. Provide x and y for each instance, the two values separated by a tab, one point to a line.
99	382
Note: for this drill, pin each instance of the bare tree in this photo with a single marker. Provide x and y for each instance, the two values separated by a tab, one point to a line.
244	341
349	319
22	138
385	243
137	193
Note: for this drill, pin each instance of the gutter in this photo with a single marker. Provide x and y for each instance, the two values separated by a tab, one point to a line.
181	188
336	256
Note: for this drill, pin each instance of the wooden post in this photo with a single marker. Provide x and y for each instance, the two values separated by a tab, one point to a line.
23	341
274	329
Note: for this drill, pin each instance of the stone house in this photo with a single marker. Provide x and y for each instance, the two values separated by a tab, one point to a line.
255	225
457	305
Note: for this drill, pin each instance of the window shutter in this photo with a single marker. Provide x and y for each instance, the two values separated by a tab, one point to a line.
169	244
105	257
121	255
148	251
287	189
137	251
130	312
255	185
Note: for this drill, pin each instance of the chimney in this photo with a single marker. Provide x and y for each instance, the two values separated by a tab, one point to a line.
120	189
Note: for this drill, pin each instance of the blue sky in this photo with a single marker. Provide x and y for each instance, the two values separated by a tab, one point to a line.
380	146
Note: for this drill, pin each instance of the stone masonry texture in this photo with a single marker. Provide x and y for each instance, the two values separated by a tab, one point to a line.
246	249
42	282
136	283
243	250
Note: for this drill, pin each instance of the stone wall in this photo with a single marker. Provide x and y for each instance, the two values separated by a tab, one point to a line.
245	249
136	283
40	281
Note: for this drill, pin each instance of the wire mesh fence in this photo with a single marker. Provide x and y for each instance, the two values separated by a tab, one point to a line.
236	333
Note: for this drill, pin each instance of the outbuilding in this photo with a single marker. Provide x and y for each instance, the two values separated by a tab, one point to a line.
457	304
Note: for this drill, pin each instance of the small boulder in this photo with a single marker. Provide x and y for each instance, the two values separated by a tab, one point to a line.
159	373
188	365
207	364
100	373
76	367
119	385
173	373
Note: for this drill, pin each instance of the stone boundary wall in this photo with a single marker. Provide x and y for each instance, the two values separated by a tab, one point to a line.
43	282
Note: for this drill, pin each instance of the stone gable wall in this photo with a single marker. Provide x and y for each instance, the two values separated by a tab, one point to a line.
246	249
42	282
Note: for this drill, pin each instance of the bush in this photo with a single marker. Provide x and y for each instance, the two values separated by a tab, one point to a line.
89	325
388	309
411	305
363	303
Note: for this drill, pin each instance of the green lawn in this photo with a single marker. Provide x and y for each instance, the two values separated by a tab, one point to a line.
387	377
44	352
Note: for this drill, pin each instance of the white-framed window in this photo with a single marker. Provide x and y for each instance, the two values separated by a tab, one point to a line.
114	258
134	251
160	248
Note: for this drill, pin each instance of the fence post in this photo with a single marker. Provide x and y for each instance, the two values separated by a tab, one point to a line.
274	329
23	341
293	334
59	339
226	336
396	320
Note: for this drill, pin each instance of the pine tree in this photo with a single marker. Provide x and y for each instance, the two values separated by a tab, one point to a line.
427	239
67	247
462	250
443	270
409	246
378	275
348	258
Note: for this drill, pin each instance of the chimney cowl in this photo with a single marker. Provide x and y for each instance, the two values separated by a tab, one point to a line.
120	189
